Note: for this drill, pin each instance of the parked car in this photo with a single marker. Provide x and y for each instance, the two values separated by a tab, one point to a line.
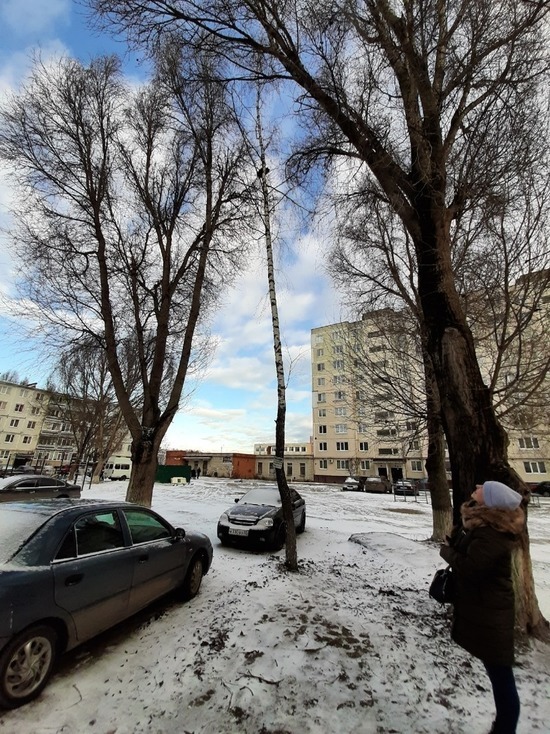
70	569
36	487
423	485
542	488
257	518
352	485
404	488
376	484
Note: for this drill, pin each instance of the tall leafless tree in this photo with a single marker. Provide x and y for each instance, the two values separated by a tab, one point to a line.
437	101
130	222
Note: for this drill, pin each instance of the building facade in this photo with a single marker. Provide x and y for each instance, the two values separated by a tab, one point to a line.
297	461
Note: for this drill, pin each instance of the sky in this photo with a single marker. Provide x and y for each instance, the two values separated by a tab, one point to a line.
233	406
352	643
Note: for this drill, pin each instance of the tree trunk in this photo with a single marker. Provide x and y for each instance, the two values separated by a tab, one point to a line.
442	511
144	467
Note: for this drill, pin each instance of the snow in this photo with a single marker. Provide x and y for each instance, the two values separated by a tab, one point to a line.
350	644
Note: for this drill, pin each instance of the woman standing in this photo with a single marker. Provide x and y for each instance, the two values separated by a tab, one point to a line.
480	553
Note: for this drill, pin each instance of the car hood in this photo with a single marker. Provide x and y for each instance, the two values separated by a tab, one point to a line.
257	511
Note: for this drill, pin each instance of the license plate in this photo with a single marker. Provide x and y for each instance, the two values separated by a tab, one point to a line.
238	531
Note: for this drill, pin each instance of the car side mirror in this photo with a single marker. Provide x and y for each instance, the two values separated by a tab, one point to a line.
180	533
236	499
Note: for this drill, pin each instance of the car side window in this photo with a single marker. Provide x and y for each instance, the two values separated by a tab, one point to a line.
24	484
145	527
45	482
98	531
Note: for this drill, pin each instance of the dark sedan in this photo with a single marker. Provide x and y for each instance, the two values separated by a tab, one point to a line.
405	488
35	487
70	569
542	488
257	519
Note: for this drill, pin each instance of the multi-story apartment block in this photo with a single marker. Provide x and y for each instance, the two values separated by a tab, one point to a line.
358	428
297	461
23	409
368	401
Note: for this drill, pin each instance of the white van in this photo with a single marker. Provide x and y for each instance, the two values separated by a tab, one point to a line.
118	467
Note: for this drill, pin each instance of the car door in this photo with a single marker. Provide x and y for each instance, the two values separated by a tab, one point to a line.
93	573
20	489
160	560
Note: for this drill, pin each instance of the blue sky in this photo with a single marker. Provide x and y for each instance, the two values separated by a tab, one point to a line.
234	404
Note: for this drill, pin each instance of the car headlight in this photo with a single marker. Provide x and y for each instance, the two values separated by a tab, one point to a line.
265	522
224	519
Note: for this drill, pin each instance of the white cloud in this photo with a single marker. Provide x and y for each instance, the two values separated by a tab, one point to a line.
26	17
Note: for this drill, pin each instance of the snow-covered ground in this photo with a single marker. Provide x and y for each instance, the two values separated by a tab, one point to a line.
352	644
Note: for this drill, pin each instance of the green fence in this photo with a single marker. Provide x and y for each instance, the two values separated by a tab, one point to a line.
165	473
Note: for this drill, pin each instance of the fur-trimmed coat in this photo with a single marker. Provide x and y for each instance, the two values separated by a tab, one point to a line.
480	552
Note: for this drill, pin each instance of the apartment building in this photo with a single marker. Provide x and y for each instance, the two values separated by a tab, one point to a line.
369	408
297	461
23	410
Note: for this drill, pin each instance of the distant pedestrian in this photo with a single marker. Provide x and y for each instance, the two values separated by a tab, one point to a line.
198	473
480	553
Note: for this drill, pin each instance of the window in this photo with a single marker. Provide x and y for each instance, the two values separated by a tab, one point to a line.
145	527
303	449
322	429
363	445
323	446
31	424
374	334
5	390
364	464
9	438
323	464
342	446
376	348
341	411
3	405
92	534
320	381
416	465
414	445
411	426
362	428
320	352
341	428
35	411
383	415
338	364
14	423
302	470
322	412
339	395
528	442
260	467
321	397
534	467
320	367
360	395
289	470
318	339
27	439
342	463
19	407
387	452
386	432
339	380
339	349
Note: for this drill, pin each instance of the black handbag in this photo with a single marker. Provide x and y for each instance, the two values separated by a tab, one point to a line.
442	588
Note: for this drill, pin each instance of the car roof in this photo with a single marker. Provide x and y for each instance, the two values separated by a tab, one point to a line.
51	507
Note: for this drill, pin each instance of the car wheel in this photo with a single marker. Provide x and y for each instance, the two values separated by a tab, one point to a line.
302	526
280	538
26	665
193	579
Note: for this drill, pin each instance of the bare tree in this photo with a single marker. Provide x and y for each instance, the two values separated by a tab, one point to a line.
84	391
133	208
437	102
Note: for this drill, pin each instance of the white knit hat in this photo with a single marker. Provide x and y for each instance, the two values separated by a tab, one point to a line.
496	494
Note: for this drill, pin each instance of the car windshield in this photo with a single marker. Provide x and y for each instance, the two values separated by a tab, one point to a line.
6	481
262	496
15	527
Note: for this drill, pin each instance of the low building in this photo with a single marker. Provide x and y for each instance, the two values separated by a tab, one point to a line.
213	464
297	461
